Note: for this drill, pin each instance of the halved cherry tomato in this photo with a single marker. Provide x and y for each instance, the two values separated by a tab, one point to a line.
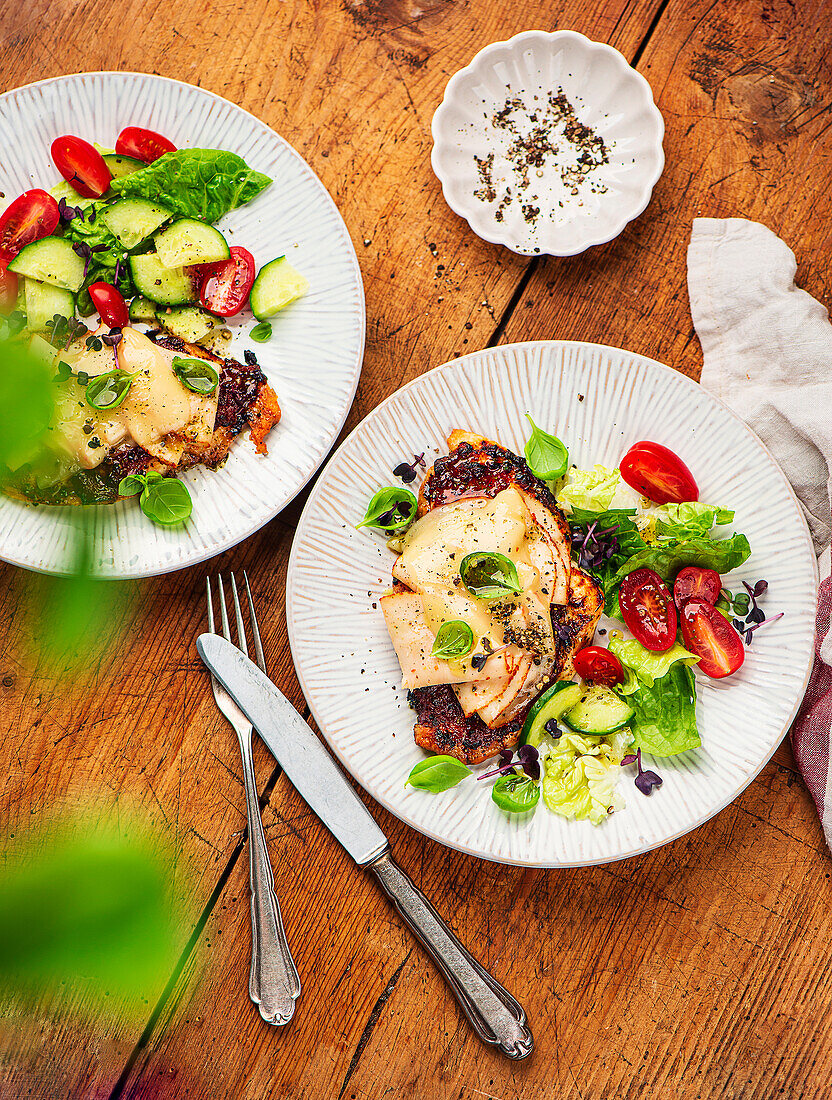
226	288
695	583
711	637
112	308
648	609
32	215
146	145
8	288
81	165
599	666
658	474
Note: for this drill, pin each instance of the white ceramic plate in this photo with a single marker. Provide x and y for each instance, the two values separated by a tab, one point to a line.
313	360
599	400
607	95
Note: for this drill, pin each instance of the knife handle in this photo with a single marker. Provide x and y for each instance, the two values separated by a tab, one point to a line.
491	1010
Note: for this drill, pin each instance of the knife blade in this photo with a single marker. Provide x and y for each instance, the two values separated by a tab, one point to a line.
492	1011
313	772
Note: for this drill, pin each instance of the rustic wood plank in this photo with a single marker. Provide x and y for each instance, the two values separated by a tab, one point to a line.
353	86
746	91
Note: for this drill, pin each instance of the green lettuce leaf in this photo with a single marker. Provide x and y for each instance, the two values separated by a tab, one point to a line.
668	558
689	521
197	183
646	666
592	490
664	723
580	775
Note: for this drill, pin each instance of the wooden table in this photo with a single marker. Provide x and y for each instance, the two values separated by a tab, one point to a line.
699	970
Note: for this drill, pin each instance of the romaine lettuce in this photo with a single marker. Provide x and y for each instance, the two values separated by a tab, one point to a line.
665	720
197	183
646	665
580	775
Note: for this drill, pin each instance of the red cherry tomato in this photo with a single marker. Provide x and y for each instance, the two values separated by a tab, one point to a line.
81	165
599	666
8	288
648	609
146	145
658	474
695	583
711	637
32	215
112	308
225	290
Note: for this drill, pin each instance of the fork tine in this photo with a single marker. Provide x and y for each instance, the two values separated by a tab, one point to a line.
210	607
241	630
258	645
223	613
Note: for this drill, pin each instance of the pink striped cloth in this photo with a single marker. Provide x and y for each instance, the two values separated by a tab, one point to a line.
767	352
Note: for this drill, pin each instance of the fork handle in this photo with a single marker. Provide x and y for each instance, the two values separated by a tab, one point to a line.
491	1010
274	985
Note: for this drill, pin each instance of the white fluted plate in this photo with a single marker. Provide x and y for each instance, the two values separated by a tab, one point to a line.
599	400
313	359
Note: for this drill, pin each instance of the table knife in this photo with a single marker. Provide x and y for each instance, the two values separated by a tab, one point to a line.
493	1013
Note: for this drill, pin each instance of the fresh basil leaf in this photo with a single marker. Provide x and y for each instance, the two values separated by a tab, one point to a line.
131	485
392	510
437	774
166	501
488	576
262	332
515	793
546	456
199	183
197	375
108	391
664	723
454	640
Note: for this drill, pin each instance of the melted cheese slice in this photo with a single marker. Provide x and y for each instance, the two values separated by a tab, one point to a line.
157	406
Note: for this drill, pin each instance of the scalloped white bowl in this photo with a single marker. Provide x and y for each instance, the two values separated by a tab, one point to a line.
607	94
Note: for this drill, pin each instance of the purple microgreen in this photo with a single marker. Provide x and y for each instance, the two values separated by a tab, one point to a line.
594	546
755	617
645	780
117	272
554	730
113	338
250	358
66	212
91	216
407	470
528	759
82	249
749	634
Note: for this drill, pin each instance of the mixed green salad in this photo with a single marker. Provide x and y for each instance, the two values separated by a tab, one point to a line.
659	555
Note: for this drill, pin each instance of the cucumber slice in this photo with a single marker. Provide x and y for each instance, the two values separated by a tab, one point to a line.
142	309
41	349
598	711
52	261
277	284
132	220
553	703
169	286
43	302
188	323
122	166
191	242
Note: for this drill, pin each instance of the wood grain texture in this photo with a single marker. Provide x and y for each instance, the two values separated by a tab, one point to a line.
695	971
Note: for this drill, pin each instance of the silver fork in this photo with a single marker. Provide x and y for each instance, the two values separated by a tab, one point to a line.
273	984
